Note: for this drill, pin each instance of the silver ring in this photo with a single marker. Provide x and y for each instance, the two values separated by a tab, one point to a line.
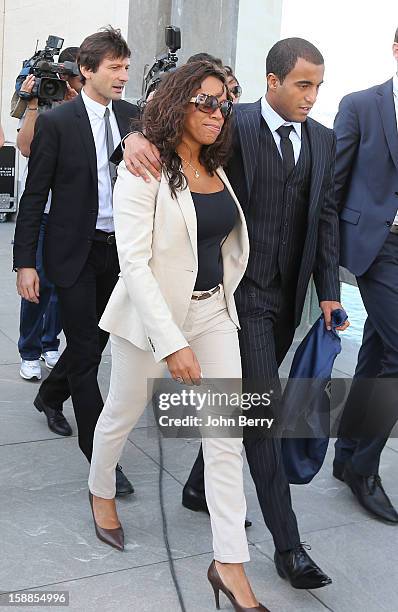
179	379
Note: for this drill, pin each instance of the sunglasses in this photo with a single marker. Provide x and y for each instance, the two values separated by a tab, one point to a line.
236	91
209	104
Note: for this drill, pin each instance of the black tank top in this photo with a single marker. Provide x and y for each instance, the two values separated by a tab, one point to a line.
216	215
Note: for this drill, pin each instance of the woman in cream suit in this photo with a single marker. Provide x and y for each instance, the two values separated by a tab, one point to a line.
183	249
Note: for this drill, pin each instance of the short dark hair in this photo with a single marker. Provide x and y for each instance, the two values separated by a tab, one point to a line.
205	57
68	55
283	56
396	36
108	42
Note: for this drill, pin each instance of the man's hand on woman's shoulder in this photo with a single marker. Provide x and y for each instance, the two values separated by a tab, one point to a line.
141	157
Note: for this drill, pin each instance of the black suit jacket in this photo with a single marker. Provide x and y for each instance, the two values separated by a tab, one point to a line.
63	159
321	248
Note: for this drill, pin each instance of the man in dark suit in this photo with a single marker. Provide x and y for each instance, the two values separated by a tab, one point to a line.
282	172
367	195
70	155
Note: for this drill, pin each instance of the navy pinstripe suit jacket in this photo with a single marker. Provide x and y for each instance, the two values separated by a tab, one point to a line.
321	248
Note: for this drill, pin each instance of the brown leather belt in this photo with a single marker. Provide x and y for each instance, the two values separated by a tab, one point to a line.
206	294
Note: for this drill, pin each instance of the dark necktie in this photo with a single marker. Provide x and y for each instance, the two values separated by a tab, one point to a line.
286	149
109	147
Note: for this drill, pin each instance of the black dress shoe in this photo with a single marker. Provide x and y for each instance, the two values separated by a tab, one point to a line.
123	485
196	501
370	493
55	417
298	567
338	470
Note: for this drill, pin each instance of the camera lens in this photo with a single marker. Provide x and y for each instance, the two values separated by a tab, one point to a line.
50	88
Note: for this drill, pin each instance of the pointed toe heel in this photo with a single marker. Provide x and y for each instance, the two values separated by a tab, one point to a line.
215	580
113	537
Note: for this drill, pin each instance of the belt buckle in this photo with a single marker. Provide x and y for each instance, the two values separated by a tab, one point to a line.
110	239
206	294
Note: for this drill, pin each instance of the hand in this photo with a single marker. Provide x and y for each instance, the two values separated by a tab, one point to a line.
140	155
28	284
27	87
327	309
70	93
183	364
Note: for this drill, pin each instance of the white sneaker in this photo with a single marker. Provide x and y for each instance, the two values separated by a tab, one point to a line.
30	369
50	358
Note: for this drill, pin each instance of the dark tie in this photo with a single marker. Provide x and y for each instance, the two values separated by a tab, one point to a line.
286	149
109	147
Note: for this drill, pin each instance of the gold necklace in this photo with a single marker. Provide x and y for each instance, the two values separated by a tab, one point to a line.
195	171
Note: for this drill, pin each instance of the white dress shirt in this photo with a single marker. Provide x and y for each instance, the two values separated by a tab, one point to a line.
395	94
96	112
275	121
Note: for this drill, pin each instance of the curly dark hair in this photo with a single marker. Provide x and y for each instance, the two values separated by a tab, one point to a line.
164	118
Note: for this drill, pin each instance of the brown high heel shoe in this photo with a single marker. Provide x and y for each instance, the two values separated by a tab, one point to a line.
218	585
113	537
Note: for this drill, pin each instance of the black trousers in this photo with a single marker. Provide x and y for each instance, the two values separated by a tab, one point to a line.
374	391
76	372
264	341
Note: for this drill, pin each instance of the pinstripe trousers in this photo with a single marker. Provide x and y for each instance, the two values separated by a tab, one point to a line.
263	344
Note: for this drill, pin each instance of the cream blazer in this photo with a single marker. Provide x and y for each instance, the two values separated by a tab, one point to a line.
156	237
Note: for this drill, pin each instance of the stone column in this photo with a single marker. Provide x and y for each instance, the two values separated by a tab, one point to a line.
213	31
147	20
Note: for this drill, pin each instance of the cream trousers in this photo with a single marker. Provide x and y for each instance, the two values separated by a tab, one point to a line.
213	337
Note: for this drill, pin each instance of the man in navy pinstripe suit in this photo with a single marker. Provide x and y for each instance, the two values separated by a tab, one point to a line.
282	172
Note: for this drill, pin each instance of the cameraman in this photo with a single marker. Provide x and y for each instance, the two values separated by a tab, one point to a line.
39	321
27	124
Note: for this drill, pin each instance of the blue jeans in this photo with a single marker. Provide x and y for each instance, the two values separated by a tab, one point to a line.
40	323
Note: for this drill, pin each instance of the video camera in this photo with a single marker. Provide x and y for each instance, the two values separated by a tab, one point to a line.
164	63
48	87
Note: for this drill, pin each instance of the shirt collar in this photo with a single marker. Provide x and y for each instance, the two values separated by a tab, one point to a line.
275	121
395	85
97	108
